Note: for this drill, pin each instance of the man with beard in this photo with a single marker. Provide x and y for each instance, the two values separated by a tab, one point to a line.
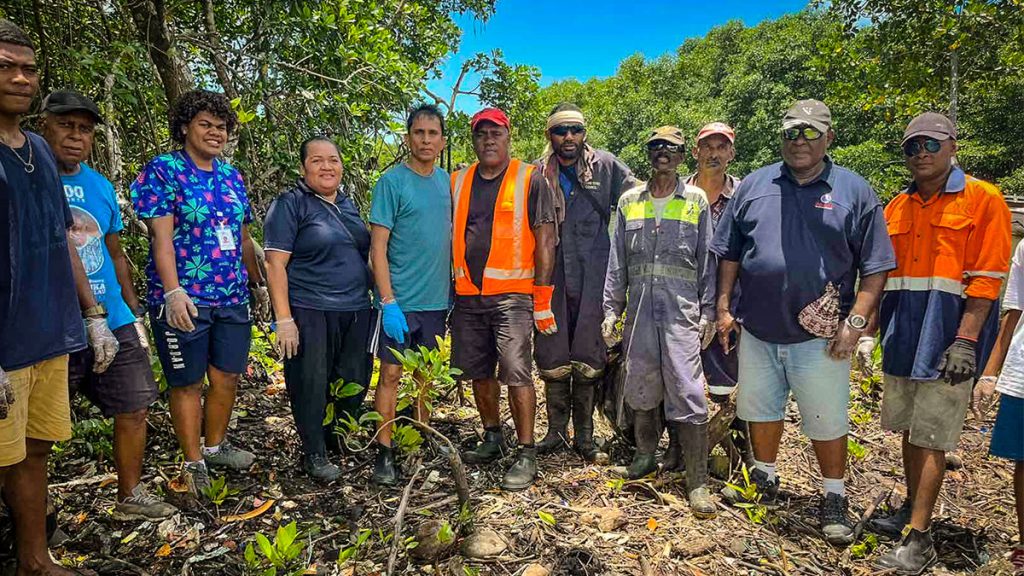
572	360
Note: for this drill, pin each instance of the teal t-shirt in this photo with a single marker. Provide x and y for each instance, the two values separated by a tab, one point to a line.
418	211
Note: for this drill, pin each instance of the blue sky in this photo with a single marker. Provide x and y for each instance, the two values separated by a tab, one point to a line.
586	38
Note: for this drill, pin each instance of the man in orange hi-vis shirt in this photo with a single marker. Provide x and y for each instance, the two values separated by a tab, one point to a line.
951	234
503	254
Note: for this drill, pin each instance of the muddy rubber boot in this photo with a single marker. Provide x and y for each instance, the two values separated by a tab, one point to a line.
558	396
647	431
492	448
913	556
673	461
694	439
384	473
523	472
891	526
583	394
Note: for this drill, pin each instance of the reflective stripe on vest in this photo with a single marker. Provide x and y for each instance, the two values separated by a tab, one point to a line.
662	271
677	209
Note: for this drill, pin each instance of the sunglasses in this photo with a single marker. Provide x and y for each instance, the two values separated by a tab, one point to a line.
563	129
809	133
913	148
662	145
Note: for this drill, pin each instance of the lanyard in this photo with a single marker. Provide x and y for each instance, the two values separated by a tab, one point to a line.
217	200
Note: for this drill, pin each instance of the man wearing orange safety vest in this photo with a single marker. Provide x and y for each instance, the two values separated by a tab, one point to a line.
503	253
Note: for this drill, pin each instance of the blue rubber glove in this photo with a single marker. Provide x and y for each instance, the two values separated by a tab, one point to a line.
395	325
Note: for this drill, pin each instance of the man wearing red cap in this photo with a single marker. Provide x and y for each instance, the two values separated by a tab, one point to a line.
503	253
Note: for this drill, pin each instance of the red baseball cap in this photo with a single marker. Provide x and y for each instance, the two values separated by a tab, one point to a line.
717	128
491	115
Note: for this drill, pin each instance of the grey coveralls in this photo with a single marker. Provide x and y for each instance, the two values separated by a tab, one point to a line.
581	261
664	277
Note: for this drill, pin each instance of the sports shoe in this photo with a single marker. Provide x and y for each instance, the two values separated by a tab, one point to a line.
142	505
891	526
767	490
230	456
912	557
522	473
197	477
320	468
835	523
1017	559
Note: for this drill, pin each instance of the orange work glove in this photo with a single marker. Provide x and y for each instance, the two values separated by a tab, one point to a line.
543	317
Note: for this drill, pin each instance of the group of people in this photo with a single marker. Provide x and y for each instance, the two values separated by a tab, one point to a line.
766	286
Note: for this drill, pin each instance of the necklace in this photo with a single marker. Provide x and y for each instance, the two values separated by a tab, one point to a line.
29	166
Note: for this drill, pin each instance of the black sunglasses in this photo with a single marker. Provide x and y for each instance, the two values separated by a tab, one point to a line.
913	148
662	145
809	133
563	129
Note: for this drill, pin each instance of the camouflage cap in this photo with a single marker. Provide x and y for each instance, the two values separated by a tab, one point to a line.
670	134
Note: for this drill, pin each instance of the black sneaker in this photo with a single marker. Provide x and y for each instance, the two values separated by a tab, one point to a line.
768	491
523	471
912	557
320	469
891	526
835	523
384	473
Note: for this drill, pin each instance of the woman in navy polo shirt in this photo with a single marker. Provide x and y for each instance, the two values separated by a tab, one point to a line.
201	269
317	251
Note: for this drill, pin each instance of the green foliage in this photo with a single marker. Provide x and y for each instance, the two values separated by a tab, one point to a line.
351	553
92	435
340	390
546	518
855	449
261	349
427	374
865	547
406	438
218	491
282	554
751	504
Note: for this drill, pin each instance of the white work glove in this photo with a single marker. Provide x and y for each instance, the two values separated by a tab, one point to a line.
103	342
984	396
6	394
608	331
862	355
287	337
260	301
706	331
179	310
140	329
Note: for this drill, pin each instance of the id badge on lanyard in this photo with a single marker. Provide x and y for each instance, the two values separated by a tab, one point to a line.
222	228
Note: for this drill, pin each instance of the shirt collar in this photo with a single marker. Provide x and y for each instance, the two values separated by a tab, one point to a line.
730	183
955	183
828	175
305	189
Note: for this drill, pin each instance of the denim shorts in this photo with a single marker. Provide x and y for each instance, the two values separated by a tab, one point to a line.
820	385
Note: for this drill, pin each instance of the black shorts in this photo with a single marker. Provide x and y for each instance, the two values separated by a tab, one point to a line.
491	332
221	339
126	386
424	329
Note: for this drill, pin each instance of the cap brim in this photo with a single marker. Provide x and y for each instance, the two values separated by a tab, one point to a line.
669	139
727	136
793	123
69	108
929	133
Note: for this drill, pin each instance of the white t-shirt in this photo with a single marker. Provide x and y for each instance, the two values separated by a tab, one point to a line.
1011	379
659	207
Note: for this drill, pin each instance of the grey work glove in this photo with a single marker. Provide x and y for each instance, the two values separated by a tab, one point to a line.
608	331
6	394
287	337
260	302
706	329
140	329
959	361
179	310
103	342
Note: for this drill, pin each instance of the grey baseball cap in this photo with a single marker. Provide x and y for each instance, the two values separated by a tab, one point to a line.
812	113
66	101
931	124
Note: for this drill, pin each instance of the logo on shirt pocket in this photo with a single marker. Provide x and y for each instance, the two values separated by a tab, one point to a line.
825	202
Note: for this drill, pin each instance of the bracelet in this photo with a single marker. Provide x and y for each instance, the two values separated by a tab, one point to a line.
968	338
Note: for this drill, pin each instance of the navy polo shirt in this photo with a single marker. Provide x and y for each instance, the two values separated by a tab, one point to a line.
329	246
791	240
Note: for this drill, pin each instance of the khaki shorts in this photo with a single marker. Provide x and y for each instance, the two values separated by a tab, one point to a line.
41	408
933	411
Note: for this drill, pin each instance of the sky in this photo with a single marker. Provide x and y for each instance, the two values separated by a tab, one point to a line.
583	39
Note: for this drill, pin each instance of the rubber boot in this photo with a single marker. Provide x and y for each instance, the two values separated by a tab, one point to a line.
558	394
583	394
384	473
913	556
492	448
522	473
673	461
694	438
647	431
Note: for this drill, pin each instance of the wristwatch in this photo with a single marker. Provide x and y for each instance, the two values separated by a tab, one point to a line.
856	321
139	311
97	311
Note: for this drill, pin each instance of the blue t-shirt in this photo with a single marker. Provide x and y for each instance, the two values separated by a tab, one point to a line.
96	213
418	211
790	240
40	316
329	246
210	267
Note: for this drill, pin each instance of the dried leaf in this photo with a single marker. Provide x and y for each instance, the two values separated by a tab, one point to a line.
108	481
164	551
652	524
81	517
178	484
250	514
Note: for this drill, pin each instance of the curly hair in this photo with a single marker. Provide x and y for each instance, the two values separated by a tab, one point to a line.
192	103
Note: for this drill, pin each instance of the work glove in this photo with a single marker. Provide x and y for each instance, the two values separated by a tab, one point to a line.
140	329
608	331
706	330
179	310
103	342
260	301
959	361
287	337
543	317
6	394
984	396
395	325
862	355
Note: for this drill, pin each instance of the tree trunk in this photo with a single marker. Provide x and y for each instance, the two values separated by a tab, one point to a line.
150	21
216	54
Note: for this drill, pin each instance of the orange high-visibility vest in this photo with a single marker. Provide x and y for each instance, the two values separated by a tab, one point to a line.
509	268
